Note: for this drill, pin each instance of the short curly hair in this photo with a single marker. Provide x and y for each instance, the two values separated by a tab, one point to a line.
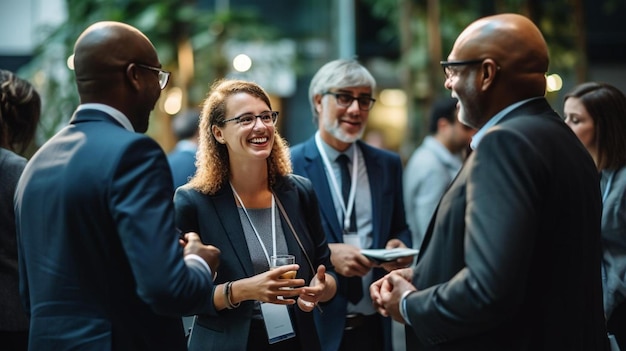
212	160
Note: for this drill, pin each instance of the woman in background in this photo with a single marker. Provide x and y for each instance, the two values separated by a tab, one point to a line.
244	200
596	112
20	108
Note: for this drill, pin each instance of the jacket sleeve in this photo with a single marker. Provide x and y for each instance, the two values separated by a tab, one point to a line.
141	205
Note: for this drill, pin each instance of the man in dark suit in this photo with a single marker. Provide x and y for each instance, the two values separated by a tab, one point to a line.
361	204
511	259
101	266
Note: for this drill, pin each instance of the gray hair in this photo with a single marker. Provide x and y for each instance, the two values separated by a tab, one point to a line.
340	73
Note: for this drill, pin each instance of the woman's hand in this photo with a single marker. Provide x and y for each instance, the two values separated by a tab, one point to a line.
322	288
265	287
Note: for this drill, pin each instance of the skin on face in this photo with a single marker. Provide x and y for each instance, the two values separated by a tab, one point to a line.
465	89
513	54
245	143
581	122
341	126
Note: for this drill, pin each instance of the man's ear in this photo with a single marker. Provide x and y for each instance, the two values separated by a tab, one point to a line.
490	69
317	99
132	75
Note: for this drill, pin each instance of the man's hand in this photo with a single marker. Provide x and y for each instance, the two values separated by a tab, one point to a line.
401	262
390	288
209	253
349	261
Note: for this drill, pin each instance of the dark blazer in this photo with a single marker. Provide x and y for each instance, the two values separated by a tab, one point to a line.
12	316
384	170
511	260
100	263
216	219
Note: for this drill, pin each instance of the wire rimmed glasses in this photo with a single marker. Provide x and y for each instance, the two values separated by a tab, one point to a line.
247	119
164	76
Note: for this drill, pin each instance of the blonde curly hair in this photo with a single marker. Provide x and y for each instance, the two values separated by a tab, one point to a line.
212	160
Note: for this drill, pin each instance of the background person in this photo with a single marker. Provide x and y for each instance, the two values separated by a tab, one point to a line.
20	109
507	264
433	165
373	217
100	263
236	201
596	112
182	158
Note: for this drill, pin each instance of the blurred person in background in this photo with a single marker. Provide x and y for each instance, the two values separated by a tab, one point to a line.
433	165
20	109
182	158
596	112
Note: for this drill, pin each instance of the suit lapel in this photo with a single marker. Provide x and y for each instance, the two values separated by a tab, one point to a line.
317	174
228	215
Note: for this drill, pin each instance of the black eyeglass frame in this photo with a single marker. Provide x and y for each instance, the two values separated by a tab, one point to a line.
446	64
370	100
162	73
274	115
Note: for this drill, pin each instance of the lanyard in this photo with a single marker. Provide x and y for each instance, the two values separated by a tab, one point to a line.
254	228
608	186
347	210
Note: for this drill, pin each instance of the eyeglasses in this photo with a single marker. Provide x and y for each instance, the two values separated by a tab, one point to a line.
164	76
268	118
450	68
345	100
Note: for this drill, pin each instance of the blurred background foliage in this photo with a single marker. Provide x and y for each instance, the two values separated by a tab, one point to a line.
190	38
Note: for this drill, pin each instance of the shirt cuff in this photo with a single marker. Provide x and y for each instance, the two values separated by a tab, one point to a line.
402	306
195	257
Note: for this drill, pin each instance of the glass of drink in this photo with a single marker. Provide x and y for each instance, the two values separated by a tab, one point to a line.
281	260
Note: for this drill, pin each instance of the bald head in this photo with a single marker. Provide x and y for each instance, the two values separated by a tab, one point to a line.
105	49
513	42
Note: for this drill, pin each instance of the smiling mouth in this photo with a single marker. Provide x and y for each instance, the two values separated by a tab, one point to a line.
259	140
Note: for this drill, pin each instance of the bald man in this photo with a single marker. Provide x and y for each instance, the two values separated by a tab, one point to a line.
511	259
101	266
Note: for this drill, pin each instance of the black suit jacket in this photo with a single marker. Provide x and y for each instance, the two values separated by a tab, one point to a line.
511	260
216	219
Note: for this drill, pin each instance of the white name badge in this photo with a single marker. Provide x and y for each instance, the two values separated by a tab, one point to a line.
277	322
352	239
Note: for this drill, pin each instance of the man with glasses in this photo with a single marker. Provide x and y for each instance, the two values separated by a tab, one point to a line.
359	189
100	260
511	259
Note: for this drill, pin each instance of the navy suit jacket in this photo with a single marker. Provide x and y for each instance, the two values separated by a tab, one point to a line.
216	218
99	259
384	170
511	259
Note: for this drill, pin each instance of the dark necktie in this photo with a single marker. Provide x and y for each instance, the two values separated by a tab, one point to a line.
355	287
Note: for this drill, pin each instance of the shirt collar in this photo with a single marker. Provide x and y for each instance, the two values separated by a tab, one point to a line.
111	111
332	153
494	120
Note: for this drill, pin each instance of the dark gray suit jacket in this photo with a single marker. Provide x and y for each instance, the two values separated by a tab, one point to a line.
511	260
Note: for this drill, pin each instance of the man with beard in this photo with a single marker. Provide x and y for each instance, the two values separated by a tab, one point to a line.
359	188
100	262
511	259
